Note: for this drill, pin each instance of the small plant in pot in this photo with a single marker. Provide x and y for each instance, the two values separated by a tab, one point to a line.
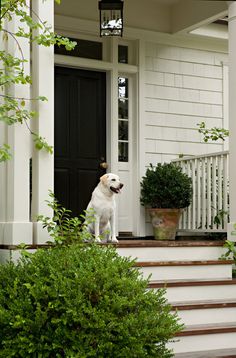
165	191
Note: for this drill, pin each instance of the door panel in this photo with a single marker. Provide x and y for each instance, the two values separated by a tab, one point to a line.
80	135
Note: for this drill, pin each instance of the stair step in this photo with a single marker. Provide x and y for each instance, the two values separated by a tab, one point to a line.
195	330
196	282
197	290
153	250
163	270
208	311
215	353
193	305
183	263
195	338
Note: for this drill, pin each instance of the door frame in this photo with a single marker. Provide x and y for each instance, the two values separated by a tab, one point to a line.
112	70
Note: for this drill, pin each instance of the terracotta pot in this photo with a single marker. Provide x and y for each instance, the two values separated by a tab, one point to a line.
165	222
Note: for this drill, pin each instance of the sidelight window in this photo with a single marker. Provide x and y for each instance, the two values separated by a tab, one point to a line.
123	120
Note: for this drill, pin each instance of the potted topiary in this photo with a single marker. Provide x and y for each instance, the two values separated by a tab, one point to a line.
165	191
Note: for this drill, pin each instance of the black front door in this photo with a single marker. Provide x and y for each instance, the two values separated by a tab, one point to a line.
80	135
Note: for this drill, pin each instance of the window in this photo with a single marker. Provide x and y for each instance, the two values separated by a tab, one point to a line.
84	48
123	121
122	54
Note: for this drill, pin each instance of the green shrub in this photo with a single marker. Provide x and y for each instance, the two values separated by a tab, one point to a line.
166	186
81	301
62	228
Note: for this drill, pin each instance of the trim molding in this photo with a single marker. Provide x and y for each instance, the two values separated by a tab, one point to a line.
68	26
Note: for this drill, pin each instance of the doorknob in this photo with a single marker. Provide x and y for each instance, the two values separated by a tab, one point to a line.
104	165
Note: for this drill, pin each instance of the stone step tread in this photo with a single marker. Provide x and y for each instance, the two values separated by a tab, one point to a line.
170	243
216	353
200	329
183	263
191	305
192	282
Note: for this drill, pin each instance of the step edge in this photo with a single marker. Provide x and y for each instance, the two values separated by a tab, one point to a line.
186	283
183	263
201	305
173	243
207	329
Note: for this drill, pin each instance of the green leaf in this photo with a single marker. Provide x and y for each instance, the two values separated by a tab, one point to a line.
5	153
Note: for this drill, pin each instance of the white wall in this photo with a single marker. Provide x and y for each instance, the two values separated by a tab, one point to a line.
183	87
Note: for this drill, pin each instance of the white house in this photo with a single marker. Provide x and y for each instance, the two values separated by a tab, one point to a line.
124	102
117	104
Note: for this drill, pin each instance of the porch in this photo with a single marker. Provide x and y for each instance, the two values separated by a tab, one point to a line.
177	77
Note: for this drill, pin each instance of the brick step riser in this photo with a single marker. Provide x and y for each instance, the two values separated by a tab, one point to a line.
187	272
207	315
172	253
203	342
200	293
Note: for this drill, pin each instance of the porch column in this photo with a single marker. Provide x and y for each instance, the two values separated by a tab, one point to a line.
43	85
15	225
232	119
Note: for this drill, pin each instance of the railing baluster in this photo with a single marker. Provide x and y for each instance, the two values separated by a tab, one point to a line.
193	205
220	191
225	191
203	190
184	216
199	198
208	194
189	216
214	194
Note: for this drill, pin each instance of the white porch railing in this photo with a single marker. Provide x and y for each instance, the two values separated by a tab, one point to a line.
209	210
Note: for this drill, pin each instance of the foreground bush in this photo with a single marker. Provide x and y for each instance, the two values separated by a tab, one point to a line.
81	301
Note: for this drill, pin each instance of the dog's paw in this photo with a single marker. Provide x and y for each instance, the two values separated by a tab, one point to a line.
97	239
114	240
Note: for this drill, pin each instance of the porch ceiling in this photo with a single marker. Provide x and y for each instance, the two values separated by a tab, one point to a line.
167	16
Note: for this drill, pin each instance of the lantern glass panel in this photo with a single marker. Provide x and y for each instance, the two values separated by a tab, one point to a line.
111	23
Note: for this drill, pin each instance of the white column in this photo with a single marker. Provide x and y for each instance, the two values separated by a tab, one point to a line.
15	225
232	120
43	85
3	167
140	229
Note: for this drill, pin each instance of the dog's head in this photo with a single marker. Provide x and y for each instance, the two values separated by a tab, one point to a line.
112	182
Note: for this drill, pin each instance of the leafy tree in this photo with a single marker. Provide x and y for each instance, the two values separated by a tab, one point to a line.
12	69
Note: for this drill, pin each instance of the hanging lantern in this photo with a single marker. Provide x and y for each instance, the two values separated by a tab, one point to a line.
111	17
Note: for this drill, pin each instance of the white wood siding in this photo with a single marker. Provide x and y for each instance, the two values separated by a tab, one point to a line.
183	87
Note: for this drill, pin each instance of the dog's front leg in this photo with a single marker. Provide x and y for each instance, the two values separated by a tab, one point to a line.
96	228
113	228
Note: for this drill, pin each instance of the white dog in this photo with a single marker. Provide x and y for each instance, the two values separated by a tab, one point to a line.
103	206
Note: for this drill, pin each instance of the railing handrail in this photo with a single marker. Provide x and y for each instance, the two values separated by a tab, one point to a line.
215	154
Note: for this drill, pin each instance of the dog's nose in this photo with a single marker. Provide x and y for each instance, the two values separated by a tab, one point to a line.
121	185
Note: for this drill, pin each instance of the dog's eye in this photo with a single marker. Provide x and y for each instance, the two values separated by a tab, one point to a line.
113	179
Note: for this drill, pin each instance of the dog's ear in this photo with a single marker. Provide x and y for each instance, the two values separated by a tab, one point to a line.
104	178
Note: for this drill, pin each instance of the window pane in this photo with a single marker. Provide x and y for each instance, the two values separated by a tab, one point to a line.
123	152
84	48
123	130
123	108
123	87
122	54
